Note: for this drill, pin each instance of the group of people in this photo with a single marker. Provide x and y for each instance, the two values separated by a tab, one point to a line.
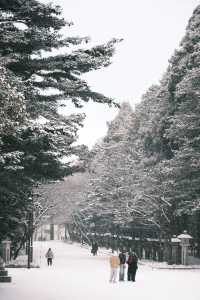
117	261
120	261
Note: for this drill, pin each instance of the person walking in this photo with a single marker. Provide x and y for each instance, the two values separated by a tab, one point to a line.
49	256
122	266
114	264
94	248
132	266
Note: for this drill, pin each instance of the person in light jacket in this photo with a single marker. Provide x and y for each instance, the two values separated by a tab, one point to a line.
114	264
49	256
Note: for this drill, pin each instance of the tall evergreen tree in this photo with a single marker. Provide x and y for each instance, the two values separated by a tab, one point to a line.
31	39
30	47
110	194
14	188
166	137
172	175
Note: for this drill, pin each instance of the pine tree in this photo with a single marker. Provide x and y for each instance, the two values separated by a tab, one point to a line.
112	174
14	188
30	49
164	186
12	104
172	156
33	53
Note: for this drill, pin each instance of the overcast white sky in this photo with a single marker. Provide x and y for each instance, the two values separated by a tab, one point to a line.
151	30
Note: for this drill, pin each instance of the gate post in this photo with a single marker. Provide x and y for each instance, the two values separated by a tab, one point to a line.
4	258
175	242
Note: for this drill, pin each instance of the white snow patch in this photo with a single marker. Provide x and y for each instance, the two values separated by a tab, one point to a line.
76	275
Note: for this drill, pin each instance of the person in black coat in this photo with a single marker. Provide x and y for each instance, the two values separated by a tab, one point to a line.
132	266
122	258
94	248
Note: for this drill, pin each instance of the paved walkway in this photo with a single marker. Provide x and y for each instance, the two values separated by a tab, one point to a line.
76	275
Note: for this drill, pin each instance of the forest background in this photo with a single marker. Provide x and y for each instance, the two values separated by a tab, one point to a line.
144	172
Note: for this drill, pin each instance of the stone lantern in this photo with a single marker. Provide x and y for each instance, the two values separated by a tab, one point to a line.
185	243
175	243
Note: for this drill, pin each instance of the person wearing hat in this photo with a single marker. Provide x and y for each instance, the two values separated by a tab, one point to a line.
114	264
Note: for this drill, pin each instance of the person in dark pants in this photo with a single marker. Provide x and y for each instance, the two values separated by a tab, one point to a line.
94	248
122	266
49	256
132	266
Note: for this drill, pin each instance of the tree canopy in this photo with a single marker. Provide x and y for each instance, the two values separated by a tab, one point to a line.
149	173
40	67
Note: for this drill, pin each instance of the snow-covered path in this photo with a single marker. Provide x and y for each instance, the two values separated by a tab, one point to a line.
76	275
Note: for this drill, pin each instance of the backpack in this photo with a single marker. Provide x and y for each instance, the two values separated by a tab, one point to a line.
135	258
132	259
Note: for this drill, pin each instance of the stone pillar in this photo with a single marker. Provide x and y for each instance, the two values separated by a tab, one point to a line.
166	251
5	250
51	231
175	254
184	255
4	253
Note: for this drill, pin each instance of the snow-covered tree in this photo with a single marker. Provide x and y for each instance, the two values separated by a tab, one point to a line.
12	102
31	44
112	173
171	160
160	184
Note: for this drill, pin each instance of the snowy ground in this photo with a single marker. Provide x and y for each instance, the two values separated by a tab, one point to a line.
76	275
